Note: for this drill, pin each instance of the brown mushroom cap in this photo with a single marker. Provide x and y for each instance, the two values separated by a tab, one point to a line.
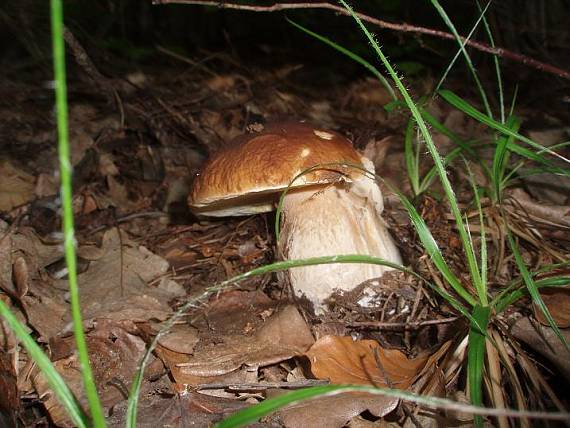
247	176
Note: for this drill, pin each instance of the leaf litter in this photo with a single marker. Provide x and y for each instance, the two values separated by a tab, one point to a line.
142	254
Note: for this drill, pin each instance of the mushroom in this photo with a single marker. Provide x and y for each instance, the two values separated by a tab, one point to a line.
332	210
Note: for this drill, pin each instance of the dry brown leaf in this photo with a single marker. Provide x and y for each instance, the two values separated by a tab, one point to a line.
283	336
180	338
114	355
556	215
345	361
543	340
335	411
116	284
16	186
557	300
9	398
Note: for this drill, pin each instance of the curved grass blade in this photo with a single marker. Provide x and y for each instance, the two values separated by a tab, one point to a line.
533	289
66	197
56	382
252	414
131	418
430	145
507	299
462	50
349	54
501	156
482	285
476	357
468	109
495	59
411	159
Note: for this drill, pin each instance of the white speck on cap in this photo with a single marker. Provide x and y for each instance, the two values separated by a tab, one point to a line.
305	152
324	135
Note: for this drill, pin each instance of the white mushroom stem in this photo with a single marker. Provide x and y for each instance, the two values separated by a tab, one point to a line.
342	218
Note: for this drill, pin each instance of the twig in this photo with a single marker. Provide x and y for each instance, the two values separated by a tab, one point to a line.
411	325
405	28
262	386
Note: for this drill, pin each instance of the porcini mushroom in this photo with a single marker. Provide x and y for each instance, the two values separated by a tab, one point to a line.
330	211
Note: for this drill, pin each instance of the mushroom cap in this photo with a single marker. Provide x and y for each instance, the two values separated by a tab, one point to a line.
247	176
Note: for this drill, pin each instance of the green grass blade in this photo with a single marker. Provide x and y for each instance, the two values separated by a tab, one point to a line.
495	60
254	413
132	407
476	358
500	157
66	198
56	382
506	299
472	264
462	49
482	285
409	155
349	54
465	107
434	252
533	289
432	173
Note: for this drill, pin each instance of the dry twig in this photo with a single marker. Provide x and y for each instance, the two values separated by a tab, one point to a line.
405	28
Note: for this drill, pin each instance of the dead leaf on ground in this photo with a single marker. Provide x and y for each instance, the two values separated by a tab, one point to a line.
16	186
345	361
283	336
553	215
364	362
230	358
557	300
114	355
117	282
235	312
543	340
180	339
335	411
9	398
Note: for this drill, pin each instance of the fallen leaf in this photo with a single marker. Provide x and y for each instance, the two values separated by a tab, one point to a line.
335	411
114	355
180	339
544	341
16	186
345	361
557	300
116	284
282	337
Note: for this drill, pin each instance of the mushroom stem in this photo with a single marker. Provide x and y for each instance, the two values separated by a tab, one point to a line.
342	218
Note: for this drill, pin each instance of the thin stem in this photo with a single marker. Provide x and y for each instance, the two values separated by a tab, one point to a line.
66	197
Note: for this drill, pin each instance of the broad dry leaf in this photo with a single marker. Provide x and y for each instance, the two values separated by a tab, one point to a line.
115	286
363	362
16	186
114	355
543	340
283	336
557	301
335	411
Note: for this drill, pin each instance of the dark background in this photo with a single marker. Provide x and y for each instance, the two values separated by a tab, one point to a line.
120	35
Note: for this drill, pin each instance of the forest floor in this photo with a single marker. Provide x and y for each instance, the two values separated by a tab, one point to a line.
137	141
